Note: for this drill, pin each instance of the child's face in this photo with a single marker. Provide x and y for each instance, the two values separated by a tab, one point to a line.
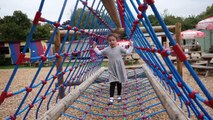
112	41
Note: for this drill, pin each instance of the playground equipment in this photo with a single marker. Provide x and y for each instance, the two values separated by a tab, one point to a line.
13	49
59	88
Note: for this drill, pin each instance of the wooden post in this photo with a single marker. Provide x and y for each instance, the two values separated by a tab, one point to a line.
164	41
178	40
159	28
111	9
172	109
57	43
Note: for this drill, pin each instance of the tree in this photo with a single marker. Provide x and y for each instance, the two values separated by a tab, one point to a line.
42	31
92	22
168	18
15	27
189	22
209	11
172	20
153	20
77	15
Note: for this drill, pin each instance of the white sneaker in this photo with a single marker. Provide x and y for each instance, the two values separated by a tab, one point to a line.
111	100
119	98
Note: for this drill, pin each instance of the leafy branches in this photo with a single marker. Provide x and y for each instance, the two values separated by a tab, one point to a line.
187	23
15	27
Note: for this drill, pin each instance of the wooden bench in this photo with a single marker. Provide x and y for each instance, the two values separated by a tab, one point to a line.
200	63
202	67
194	60
135	57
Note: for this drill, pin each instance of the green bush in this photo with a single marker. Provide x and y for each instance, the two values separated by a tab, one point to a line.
5	61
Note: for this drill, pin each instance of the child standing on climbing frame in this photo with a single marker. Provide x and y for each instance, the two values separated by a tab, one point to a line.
116	68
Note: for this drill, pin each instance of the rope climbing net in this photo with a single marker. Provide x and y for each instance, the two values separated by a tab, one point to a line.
139	99
82	63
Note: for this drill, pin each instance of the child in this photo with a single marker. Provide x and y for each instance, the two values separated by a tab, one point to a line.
116	68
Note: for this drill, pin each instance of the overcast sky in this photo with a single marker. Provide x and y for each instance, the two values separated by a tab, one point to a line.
51	9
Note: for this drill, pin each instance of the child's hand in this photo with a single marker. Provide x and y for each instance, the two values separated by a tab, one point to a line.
94	45
130	43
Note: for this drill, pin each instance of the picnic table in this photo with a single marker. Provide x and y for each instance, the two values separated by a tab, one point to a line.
206	67
208	57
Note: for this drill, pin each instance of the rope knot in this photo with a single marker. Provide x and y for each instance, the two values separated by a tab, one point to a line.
43	97
144	118
66	54
74	53
82	31
150	2
84	3
69	27
192	94
124	107
28	89
43	58
163	72
75	29
53	90
56	24
42	19
136	22
140	16
142	7
86	112
179	94
2	97
31	105
165	53
54	76
153	50
180	85
170	77
36	18
57	55
209	103
44	82
201	116
12	117
188	103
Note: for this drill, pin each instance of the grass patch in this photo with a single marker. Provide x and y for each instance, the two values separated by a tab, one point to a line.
104	64
12	66
7	67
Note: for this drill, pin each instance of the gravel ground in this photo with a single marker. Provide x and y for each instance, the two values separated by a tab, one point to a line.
24	77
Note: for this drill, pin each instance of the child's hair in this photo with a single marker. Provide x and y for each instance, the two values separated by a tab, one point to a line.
114	35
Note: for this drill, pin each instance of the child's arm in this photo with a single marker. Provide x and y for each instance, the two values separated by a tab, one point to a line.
96	49
130	49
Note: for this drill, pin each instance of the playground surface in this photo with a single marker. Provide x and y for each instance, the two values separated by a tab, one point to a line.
25	75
